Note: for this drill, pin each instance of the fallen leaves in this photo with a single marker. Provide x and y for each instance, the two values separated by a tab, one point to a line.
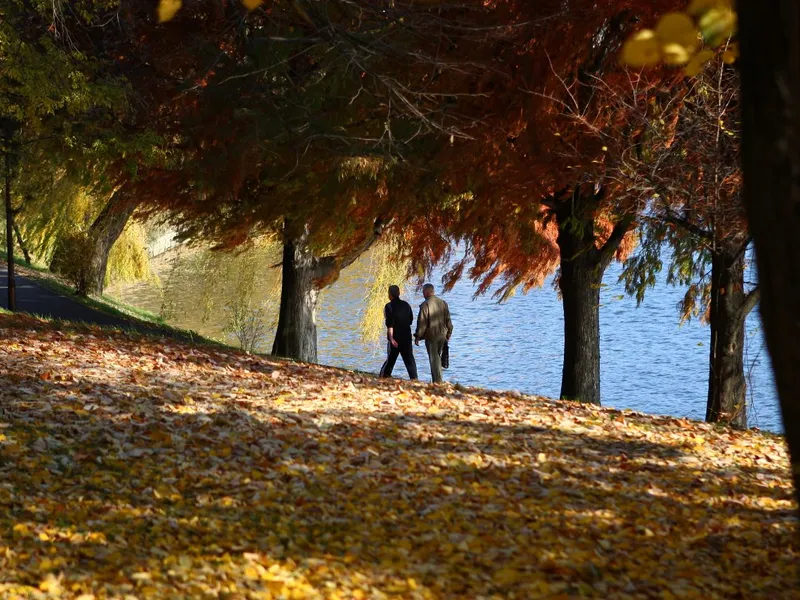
161	470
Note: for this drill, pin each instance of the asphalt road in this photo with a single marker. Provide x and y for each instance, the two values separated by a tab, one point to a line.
37	300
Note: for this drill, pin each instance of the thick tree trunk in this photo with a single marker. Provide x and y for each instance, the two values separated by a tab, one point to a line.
304	275
727	388
580	292
582	266
579	283
105	231
296	336
770	64
12	284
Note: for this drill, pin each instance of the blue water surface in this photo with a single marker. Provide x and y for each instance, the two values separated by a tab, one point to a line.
649	362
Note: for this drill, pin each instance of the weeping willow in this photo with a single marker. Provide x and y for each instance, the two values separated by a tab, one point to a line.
128	260
388	270
202	284
54	206
49	210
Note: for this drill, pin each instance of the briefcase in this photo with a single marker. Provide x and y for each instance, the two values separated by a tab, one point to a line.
446	356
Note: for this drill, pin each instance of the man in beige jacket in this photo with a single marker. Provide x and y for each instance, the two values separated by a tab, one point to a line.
435	327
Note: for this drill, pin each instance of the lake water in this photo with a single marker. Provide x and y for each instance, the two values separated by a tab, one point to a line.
649	362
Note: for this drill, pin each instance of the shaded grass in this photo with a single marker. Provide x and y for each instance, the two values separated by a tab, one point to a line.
24	263
47	279
143	322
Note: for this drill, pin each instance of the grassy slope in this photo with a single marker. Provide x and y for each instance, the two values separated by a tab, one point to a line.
104	304
163	470
44	277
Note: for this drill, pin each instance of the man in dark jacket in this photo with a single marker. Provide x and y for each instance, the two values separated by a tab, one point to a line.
399	316
435	327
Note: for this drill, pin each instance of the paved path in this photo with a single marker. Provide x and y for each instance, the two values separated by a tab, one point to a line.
35	299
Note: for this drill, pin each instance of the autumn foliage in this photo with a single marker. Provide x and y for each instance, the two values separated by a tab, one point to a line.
153	468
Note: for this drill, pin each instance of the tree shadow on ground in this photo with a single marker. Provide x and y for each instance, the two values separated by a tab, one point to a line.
128	478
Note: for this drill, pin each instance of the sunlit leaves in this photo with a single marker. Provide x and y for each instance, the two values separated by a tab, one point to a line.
678	28
717	20
44	81
642	49
731	55
673	41
678	36
697	62
167	9
154	469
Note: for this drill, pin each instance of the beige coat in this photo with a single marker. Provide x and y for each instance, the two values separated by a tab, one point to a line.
433	322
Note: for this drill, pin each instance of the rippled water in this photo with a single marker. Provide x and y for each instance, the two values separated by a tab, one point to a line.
648	362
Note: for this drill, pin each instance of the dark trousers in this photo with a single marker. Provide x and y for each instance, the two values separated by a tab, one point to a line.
404	349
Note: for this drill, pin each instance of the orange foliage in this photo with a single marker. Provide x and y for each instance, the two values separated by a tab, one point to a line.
553	111
528	95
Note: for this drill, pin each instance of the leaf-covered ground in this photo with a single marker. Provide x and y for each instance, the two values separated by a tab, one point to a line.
136	468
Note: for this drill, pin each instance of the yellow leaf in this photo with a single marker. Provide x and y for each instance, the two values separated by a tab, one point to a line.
717	25
252	4
699	7
251	572
641	50
675	54
167	9
51	584
731	54
678	28
97	537
697	61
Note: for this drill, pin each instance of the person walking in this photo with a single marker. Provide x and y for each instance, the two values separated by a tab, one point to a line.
435	327
398	316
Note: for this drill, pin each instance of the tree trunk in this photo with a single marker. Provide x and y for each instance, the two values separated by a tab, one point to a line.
580	291
12	284
296	336
581	275
105	231
770	65
21	243
726	381
304	275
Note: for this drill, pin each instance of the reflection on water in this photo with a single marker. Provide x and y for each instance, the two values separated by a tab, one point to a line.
648	362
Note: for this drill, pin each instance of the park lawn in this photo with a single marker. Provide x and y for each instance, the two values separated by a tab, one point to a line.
136	467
